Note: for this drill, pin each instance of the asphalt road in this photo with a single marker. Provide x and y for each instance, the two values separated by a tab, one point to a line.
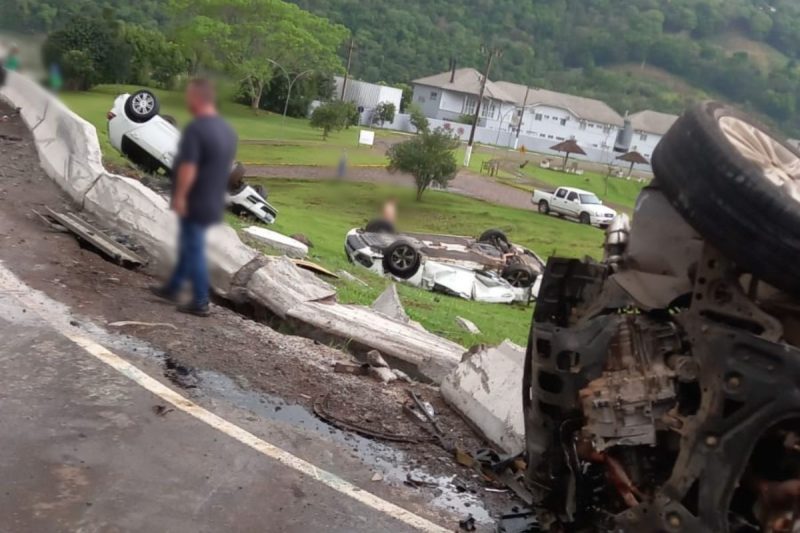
82	448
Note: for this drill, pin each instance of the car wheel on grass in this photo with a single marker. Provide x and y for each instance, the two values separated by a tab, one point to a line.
262	192
585	218
401	259
496	238
519	276
380	226
141	106
738	186
544	207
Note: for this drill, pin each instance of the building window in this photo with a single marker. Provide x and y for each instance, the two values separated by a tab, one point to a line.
549	136
538	116
469	106
643	137
542	135
563	122
434	94
421	99
591	125
547	116
607	128
583	125
560	139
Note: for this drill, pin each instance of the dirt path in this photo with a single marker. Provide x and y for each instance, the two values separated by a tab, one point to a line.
466	183
293	372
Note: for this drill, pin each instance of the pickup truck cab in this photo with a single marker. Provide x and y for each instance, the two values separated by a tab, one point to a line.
578	204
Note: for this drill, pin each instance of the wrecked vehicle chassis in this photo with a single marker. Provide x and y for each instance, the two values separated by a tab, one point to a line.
662	385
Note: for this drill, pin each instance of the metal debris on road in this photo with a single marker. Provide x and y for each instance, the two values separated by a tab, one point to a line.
123	323
162	410
87	233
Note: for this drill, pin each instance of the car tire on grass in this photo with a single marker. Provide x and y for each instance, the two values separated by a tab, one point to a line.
584	218
738	186
141	106
519	275
544	207
401	259
379	225
262	192
496	238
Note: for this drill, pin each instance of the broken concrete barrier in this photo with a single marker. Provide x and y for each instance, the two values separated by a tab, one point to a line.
467	325
278	241
389	304
486	388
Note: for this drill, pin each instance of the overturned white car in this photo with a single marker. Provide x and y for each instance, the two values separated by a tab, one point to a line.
487	269
150	141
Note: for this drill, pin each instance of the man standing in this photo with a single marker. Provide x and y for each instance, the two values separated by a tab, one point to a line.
201	171
12	59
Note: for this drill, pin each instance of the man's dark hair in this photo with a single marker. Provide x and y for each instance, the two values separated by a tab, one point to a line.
205	88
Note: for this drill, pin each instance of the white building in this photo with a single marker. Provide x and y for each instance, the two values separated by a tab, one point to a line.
648	129
454	94
367	95
557	117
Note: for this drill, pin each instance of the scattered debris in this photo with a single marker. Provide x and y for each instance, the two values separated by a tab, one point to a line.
322	410
468	325
182	376
389	304
411	481
287	245
402	376
464	458
468	524
10	138
358	370
162	410
87	233
379	368
377	476
518	522
315	268
349	277
123	323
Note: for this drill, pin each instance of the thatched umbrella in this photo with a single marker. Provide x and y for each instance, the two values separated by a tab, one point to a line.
568	147
633	158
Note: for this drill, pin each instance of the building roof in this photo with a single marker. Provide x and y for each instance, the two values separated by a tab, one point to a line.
466	80
652	121
583	108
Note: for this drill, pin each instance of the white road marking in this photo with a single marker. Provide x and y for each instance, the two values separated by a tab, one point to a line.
34	300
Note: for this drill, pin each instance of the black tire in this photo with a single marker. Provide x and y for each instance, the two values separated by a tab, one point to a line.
584	218
2	75
262	192
380	226
170	119
401	259
496	238
236	178
544	207
519	275
726	197
141	106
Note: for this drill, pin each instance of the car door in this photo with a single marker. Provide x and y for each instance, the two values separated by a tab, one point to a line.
573	204
560	200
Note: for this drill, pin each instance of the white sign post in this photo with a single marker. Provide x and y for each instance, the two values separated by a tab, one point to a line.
366	137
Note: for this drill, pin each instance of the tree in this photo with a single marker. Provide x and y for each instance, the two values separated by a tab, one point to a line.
237	36
332	116
154	57
429	157
78	70
384	112
105	52
417	118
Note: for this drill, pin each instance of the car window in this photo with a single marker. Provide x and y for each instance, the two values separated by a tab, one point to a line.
572	196
590	199
560	193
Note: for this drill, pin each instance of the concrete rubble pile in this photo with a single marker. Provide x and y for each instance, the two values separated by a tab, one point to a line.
70	154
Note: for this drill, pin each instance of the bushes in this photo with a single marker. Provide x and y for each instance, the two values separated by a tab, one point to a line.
334	116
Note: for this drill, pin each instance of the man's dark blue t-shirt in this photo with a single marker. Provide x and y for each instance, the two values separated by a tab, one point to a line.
210	143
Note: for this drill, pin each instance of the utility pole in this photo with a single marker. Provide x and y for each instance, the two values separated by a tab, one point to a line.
522	115
492	53
349	61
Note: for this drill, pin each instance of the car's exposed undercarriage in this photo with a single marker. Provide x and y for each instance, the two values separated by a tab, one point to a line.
662	385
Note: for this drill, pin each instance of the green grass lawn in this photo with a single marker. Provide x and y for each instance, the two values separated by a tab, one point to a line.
325	211
266	138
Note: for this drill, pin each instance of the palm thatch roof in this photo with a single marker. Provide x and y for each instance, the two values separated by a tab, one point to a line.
570	146
635	158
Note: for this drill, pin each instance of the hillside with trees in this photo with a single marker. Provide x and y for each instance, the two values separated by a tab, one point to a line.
634	54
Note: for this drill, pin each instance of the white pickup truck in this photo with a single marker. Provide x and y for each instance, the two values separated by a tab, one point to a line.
578	204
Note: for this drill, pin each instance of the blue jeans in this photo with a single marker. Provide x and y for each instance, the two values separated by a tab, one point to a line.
191	262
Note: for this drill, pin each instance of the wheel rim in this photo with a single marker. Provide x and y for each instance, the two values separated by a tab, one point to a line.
143	103
780	165
403	257
542	208
519	279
